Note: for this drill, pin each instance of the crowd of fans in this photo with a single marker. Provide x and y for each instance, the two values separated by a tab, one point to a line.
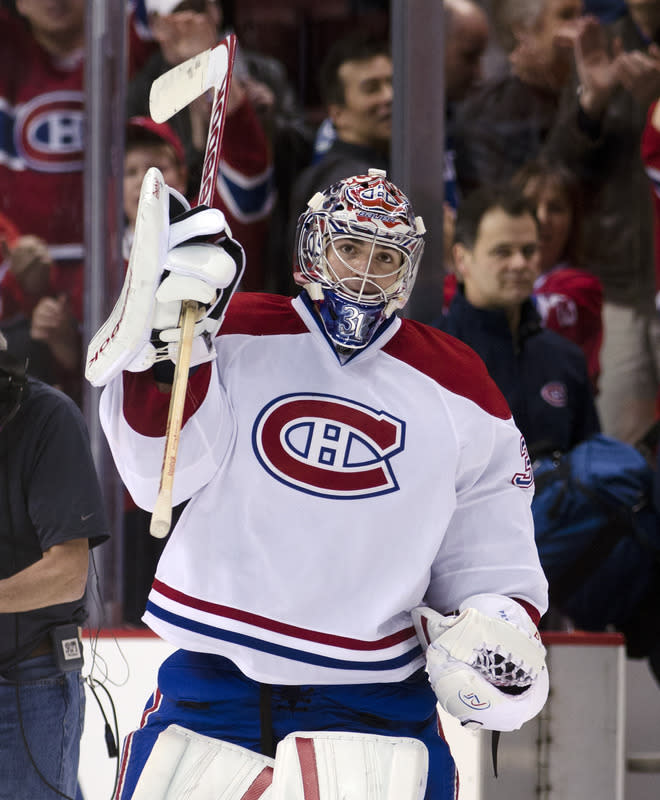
552	100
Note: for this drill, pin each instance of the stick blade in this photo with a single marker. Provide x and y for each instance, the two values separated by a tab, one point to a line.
179	86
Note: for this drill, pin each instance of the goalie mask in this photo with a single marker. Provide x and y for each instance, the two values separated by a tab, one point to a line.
358	251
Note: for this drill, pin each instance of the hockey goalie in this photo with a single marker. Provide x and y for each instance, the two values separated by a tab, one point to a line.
357	544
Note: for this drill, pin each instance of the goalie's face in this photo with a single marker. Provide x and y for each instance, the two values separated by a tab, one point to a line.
362	268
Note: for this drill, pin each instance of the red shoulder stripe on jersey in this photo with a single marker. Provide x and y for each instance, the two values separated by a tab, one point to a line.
146	407
261	314
449	362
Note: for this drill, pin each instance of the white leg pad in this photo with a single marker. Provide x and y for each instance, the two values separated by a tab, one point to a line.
327	765
185	765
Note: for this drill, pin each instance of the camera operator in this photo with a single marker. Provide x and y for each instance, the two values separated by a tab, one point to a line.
51	515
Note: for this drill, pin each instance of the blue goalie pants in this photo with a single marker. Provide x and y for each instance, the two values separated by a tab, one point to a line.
208	694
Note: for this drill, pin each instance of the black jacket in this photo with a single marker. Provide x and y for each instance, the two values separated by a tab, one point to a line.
542	375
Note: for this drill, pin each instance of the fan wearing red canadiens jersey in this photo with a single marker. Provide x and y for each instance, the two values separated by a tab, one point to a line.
357	544
42	116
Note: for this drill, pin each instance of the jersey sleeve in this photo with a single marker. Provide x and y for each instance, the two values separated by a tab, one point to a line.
570	302
133	415
489	544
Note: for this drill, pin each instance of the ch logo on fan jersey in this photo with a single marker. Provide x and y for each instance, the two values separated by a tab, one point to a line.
48	133
328	446
524	479
555	394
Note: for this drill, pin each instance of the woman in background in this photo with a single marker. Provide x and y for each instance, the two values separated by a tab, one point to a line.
569	298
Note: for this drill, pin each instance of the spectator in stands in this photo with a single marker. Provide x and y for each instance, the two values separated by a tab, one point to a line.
605	10
356	88
41	78
41	179
542	375
504	122
291	142
149	144
244	189
650	147
39	322
41	139
568	297
466	30
599	138
9	234
466	35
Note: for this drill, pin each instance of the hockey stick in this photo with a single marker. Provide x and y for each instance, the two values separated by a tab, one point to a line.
171	92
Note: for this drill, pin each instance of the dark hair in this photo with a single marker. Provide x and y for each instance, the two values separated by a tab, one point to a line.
478	203
359	46
543	173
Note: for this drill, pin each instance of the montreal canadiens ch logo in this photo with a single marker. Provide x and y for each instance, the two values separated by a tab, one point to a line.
328	446
555	394
49	132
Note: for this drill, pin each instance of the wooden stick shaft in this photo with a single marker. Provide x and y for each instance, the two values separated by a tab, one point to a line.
220	76
161	517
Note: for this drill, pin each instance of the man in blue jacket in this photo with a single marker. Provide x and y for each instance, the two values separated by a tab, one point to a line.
542	375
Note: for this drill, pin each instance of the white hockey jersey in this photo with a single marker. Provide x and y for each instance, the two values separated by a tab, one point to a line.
327	500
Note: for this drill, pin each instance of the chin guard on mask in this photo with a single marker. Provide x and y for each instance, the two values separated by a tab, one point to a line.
13	380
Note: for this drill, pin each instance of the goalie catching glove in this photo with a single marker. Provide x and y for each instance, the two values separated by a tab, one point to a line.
193	257
487	664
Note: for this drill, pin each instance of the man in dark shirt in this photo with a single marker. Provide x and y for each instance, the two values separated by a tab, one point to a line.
542	375
51	514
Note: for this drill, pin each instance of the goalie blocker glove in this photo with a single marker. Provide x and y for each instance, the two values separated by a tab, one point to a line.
486	665
193	257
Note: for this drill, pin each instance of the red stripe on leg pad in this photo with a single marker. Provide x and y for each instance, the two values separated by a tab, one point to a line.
259	784
308	770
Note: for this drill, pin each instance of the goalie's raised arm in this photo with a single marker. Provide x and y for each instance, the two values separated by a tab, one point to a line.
191	257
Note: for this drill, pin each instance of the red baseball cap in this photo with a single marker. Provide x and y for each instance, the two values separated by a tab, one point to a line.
156	131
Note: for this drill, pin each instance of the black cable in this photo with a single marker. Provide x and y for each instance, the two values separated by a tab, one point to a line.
111	736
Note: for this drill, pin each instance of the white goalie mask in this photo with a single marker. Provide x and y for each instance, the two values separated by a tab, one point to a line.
358	250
